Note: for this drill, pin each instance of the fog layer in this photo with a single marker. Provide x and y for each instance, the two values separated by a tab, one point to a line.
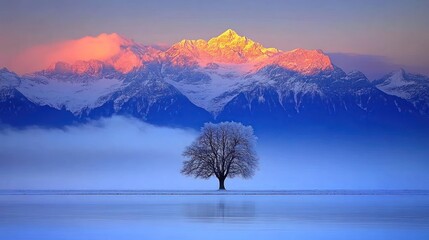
121	153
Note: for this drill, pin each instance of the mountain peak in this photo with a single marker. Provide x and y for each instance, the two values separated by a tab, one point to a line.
398	71
8	79
229	33
232	48
401	77
229	39
4	70
306	62
398	75
228	47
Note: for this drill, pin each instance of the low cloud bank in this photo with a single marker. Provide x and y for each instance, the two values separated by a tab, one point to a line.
116	153
122	153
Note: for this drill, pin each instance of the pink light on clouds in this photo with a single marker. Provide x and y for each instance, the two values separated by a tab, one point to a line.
102	47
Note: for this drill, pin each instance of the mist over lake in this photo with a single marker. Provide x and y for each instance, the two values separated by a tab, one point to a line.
125	153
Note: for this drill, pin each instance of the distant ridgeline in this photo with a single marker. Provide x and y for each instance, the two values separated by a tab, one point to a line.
228	78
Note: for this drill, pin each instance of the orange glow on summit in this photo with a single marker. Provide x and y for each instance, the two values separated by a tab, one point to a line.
238	52
231	48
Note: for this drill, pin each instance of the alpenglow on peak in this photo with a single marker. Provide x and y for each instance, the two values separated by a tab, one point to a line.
235	48
229	34
228	47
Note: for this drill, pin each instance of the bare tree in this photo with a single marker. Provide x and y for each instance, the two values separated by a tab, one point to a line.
222	150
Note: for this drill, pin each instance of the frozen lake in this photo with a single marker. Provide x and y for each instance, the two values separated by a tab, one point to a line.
197	216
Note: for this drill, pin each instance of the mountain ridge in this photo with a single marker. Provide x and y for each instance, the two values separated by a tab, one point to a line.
228	77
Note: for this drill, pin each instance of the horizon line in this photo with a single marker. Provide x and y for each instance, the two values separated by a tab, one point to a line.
309	192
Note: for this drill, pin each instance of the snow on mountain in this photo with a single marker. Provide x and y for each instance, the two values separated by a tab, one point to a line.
232	48
8	79
17	110
210	73
78	71
78	85
306	62
247	55
229	77
71	95
228	47
147	96
412	87
210	88
402	84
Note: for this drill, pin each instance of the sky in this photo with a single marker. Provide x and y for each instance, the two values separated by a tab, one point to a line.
387	34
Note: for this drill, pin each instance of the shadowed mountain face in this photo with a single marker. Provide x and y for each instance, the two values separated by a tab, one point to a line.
227	78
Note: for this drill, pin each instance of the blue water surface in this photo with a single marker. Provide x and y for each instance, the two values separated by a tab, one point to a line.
214	217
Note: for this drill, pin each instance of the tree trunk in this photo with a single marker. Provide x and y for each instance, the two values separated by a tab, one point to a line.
222	184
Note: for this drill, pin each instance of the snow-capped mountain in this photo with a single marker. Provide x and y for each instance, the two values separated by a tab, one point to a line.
326	98
229	77
73	90
146	96
17	110
411	87
211	73
8	79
